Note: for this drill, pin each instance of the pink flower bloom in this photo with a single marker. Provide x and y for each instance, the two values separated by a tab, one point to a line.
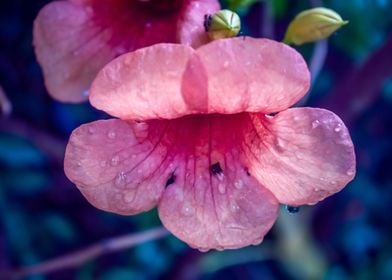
194	137
74	39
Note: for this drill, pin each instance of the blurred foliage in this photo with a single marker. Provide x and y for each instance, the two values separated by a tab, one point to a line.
42	215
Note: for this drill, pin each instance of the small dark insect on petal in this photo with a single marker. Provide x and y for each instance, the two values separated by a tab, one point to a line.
207	22
171	180
216	169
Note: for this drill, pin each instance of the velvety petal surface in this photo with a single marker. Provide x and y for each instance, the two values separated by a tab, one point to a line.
302	155
210	200
225	76
119	166
69	49
245	74
144	84
74	39
191	22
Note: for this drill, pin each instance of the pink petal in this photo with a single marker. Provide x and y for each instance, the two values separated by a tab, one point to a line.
212	212
74	39
119	166
69	49
143	84
169	81
191	23
302	155
213	202
210	202
245	74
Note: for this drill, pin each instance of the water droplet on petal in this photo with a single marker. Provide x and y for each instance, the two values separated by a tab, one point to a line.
91	130
234	207
338	128
115	160
315	123
141	129
129	197
226	64
203	250
222	188
292	209
187	210
111	134
120	179
238	184
79	164
350	173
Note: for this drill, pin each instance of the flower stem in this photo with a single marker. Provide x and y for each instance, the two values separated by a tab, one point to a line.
81	256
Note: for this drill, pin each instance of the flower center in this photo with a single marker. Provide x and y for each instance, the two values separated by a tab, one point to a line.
159	7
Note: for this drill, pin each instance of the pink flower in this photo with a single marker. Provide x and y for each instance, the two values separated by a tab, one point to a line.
74	39
196	137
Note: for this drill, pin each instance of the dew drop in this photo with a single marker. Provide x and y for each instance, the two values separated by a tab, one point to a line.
111	135
238	184
338	128
226	64
291	209
203	250
187	210
115	160
129	197
350	173
234	207
315	123
222	188
79	164
91	130
141	129
120	179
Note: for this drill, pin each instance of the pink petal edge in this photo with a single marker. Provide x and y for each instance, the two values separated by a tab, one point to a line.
302	155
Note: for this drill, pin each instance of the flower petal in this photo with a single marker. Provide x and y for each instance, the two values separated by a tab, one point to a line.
245	74
213	203
69	49
211	213
191	22
74	39
143	84
302	155
119	166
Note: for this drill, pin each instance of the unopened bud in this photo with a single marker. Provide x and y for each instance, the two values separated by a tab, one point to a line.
222	24
313	25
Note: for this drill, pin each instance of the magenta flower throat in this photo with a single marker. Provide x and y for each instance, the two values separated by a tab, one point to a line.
207	136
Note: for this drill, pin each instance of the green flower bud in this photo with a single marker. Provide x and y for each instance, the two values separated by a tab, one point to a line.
313	25
222	24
